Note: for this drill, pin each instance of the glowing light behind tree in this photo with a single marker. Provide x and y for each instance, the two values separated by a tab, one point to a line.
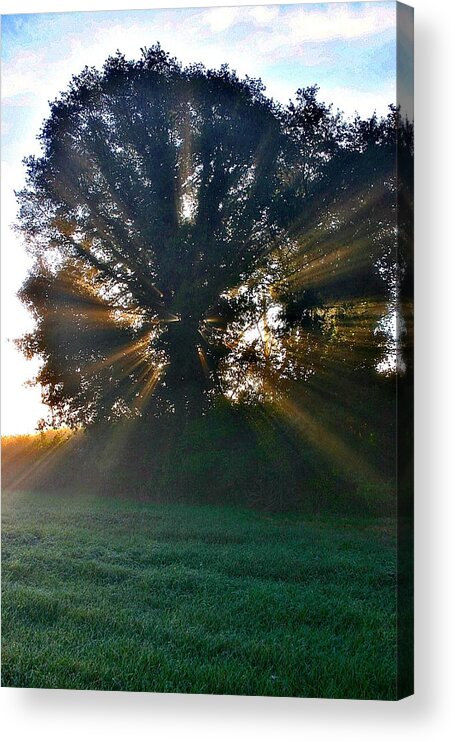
193	239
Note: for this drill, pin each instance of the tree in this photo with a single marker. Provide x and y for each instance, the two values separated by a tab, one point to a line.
177	217
156	188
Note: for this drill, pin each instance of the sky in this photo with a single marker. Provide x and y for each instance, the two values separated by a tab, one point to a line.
348	49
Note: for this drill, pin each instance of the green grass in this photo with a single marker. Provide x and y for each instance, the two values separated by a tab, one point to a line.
124	595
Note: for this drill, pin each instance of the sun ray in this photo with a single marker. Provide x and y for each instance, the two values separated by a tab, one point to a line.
50	457
330	443
135	348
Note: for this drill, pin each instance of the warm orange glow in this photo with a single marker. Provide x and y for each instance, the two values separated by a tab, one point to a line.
136	349
49	457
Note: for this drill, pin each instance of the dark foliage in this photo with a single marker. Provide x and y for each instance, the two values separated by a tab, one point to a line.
195	241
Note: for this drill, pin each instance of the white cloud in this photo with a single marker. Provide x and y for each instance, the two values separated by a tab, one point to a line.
339	21
364	102
220	19
267	35
305	23
262	15
296	32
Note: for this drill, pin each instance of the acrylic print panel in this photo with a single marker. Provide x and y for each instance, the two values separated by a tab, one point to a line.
208	486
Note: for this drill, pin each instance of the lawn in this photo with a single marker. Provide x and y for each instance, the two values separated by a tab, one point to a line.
126	595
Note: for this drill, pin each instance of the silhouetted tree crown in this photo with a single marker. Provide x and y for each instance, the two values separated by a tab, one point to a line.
193	238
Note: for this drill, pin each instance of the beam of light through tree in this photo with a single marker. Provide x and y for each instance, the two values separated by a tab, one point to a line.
194	240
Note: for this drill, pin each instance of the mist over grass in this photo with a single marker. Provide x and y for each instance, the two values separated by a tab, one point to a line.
223	458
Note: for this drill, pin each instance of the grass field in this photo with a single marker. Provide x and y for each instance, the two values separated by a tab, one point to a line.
124	595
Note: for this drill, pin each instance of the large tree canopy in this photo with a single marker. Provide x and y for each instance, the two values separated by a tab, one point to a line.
192	238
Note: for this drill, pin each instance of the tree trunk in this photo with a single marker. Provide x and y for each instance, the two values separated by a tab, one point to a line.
186	375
